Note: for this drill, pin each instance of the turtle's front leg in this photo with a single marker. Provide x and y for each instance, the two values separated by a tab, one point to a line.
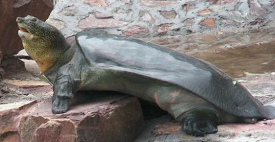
63	93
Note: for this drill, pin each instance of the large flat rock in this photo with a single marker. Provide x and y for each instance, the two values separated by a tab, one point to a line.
93	116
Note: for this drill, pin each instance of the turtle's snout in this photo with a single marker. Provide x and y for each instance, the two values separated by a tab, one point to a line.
19	19
27	19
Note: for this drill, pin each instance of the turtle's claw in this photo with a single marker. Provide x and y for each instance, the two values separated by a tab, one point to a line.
199	127
199	124
60	105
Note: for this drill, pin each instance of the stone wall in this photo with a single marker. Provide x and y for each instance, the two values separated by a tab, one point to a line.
147	18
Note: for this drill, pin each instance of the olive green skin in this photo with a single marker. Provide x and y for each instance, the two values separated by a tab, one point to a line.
184	86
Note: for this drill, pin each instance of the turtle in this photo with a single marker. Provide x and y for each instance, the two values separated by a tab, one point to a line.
196	93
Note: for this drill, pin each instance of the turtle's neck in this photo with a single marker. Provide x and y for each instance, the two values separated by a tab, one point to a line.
51	73
46	57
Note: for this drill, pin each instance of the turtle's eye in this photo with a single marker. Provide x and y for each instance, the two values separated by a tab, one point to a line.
33	19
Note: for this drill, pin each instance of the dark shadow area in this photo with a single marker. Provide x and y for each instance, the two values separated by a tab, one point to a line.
150	110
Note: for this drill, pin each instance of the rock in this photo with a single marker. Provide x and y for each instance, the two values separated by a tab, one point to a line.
135	30
92	22
9	10
163	28
167	128
205	12
100	15
244	8
188	21
145	16
189	5
26	87
256	9
92	117
56	23
208	22
229	22
12	63
220	1
100	3
168	14
154	3
69	11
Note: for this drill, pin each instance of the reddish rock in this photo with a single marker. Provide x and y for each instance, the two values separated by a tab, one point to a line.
208	22
9	10
154	3
163	28
25	87
166	128
100	15
188	21
168	14
92	117
100	3
205	12
92	22
135	30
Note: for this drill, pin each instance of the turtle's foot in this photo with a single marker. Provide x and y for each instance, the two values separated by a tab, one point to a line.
200	122
60	105
199	126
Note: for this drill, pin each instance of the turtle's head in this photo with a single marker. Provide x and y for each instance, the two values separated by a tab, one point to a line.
43	42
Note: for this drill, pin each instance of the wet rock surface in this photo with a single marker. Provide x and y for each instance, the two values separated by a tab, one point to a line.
9	10
92	117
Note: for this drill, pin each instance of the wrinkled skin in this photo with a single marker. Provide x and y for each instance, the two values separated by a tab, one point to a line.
196	93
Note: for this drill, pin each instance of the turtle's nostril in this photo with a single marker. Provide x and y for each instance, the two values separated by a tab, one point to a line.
19	19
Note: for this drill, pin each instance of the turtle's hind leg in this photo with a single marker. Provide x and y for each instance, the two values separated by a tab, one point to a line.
199	122
197	116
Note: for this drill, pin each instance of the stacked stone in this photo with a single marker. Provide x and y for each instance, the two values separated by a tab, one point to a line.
144	18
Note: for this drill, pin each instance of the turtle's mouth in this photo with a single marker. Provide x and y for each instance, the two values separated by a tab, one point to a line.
23	32
22	29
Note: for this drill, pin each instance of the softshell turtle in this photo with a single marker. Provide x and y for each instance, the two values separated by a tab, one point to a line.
196	93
